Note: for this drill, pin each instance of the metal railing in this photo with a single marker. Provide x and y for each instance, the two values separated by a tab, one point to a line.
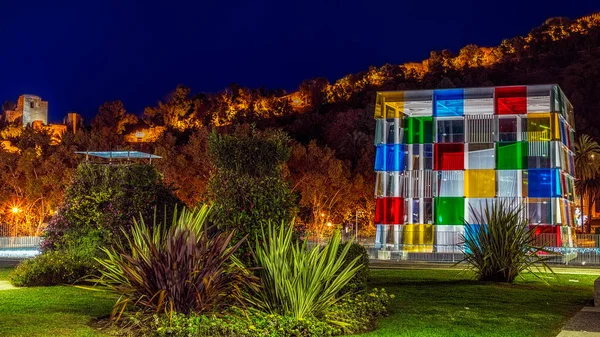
579	249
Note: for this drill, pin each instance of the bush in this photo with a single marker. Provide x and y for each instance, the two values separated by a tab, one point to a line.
181	269
247	188
359	282
101	201
352	315
52	268
296	281
504	246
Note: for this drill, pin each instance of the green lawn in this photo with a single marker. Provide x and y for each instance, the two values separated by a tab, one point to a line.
50	311
428	303
448	303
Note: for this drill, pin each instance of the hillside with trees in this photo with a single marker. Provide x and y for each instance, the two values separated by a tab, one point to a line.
330	125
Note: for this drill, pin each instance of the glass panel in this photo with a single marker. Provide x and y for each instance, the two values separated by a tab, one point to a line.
390	157
416	209
481	156
447	238
480	183
388	131
476	208
389	210
418	238
479	101
449	157
451	183
540	210
511	155
544	183
508	183
419	130
449	210
428	211
507	129
418	102
511	100
450	131
481	129
448	102
428	156
539	98
539	128
539	155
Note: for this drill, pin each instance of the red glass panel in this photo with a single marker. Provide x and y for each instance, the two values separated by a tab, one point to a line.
511	100
550	235
449	157
389	211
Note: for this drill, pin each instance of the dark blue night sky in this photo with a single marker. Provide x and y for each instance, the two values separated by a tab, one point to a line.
77	56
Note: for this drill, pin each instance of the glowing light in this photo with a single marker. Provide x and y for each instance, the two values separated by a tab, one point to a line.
329	224
15	210
322	215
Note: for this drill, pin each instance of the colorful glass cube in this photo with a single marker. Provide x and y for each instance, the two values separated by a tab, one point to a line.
443	154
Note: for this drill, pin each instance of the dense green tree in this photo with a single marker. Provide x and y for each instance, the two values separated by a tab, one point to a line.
247	188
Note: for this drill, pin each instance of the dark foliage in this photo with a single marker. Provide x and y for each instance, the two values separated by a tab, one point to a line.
359	282
181	269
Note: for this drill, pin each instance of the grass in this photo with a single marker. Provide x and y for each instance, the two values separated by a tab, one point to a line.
432	302
50	311
448	303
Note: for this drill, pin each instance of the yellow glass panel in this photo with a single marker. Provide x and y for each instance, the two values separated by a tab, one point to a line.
418	238
480	183
389	104
539	128
555	127
379	106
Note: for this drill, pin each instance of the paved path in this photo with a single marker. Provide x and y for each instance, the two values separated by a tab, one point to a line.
585	323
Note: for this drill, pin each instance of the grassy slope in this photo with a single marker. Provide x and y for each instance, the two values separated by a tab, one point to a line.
447	303
428	303
50	311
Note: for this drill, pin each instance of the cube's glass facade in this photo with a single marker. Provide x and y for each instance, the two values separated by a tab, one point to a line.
443	154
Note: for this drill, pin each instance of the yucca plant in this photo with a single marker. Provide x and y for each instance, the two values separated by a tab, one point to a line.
501	244
176	269
298	281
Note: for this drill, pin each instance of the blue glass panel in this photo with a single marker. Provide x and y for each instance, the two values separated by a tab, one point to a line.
563	133
390	157
449	102
544	183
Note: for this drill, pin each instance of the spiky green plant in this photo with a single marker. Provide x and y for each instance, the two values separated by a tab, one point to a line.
177	269
298	281
502	245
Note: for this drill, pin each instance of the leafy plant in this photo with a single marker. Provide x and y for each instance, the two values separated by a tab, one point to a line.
52	268
297	281
178	269
247	188
501	244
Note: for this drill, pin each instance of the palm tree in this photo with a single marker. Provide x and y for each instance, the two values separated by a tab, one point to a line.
587	166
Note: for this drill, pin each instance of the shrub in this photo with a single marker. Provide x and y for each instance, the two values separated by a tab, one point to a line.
101	201
247	188
504	246
353	315
359	282
181	269
296	281
52	268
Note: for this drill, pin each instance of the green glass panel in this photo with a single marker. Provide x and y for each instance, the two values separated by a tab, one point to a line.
511	155
419	130
449	210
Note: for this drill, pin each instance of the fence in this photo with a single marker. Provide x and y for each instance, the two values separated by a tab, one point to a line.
579	249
